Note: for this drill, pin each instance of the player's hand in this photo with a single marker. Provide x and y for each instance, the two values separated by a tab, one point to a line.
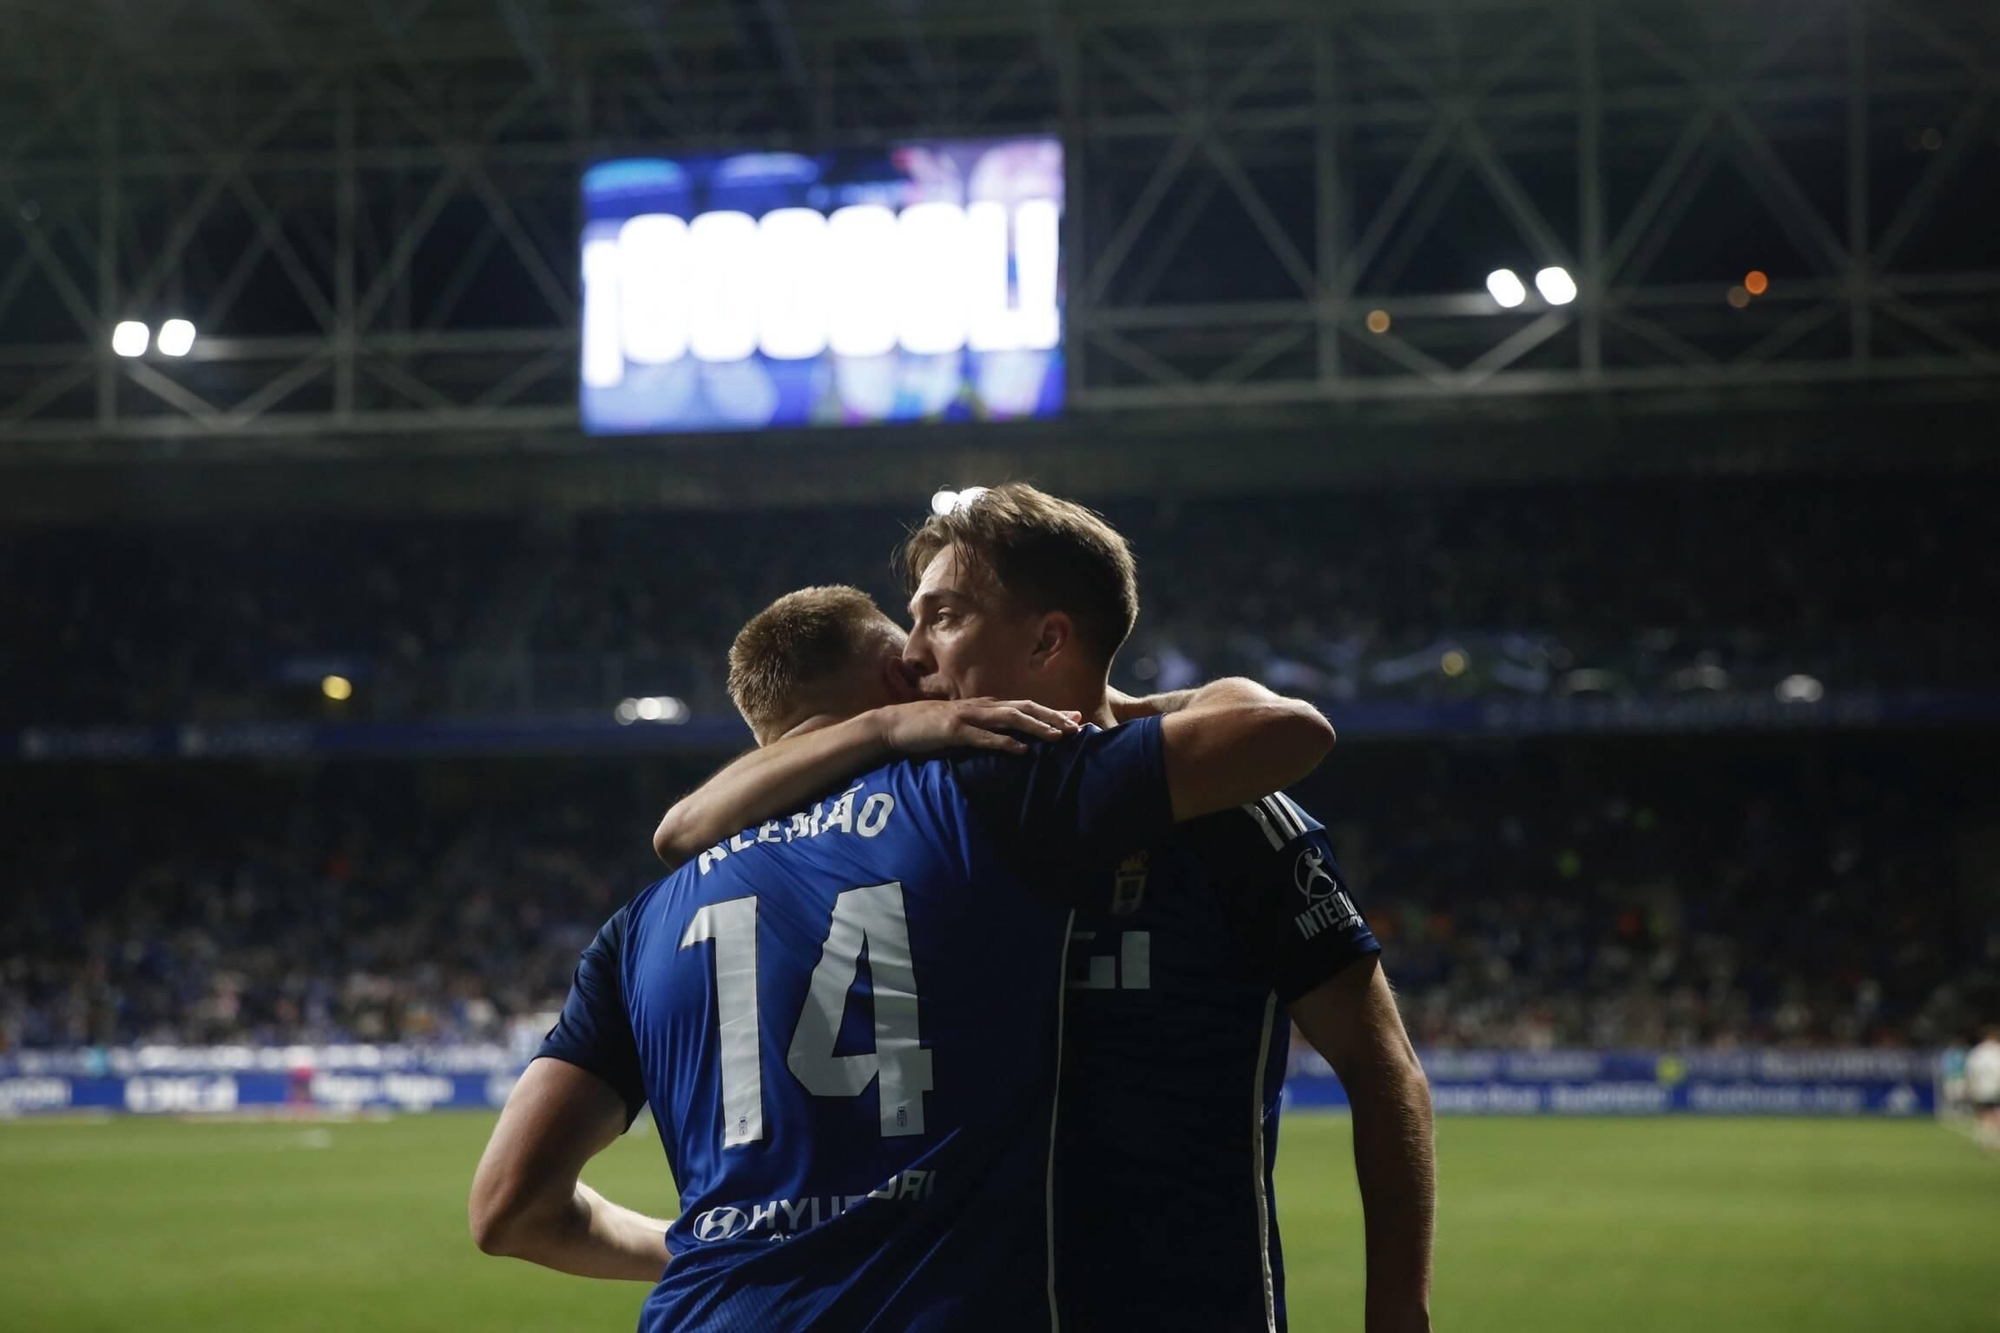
931	725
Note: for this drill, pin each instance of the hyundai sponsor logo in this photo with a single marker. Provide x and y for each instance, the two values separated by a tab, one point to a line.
776	1219
721	1224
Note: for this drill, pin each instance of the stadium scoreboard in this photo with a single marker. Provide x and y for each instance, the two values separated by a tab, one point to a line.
743	291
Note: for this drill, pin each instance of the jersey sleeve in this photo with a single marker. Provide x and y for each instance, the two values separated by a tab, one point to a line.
1297	920
594	1030
1073	807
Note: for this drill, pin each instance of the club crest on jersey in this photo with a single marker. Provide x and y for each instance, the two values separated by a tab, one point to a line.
1128	888
1310	875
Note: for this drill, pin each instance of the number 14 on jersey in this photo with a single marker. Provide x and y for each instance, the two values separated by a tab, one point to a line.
871	917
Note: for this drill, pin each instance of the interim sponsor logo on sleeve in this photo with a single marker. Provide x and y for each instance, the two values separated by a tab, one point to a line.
1330	908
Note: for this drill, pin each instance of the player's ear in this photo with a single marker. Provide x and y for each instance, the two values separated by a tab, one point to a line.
1053	636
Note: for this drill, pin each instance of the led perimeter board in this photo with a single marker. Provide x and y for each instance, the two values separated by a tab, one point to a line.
753	290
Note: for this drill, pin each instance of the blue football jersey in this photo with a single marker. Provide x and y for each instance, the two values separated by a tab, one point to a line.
1174	1061
846	1023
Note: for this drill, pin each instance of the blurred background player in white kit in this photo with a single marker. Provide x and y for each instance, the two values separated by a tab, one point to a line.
1982	1087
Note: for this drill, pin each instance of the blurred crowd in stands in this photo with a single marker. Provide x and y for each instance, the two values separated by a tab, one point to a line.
1697	892
351	903
1684	893
1635	589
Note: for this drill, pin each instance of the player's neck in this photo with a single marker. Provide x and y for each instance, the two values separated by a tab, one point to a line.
1095	705
1090	696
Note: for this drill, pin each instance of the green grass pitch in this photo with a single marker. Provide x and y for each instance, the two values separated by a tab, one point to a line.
1639	1226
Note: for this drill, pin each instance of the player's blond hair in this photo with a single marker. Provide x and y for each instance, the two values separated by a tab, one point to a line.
797	656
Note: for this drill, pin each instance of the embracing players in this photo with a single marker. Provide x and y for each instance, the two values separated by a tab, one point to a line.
1189	957
846	1016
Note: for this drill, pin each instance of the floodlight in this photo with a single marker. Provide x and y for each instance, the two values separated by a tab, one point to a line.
1506	287
1556	286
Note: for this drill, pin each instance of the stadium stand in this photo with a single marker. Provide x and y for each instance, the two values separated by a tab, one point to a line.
1675	894
1597	589
1534	895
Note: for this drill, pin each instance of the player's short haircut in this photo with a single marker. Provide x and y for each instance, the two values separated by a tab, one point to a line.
797	653
1047	553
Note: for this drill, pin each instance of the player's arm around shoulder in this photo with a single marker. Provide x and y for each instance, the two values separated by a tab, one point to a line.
1351	1020
769	781
1233	740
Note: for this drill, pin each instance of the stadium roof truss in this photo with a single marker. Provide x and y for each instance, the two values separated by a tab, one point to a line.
371	211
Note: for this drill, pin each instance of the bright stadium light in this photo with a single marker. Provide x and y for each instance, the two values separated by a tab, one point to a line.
130	338
337	688
653	708
947	500
1800	689
1506	287
176	337
1556	286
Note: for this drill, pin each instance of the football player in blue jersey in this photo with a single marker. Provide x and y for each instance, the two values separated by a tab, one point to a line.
846	1019
1235	922
1190	963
